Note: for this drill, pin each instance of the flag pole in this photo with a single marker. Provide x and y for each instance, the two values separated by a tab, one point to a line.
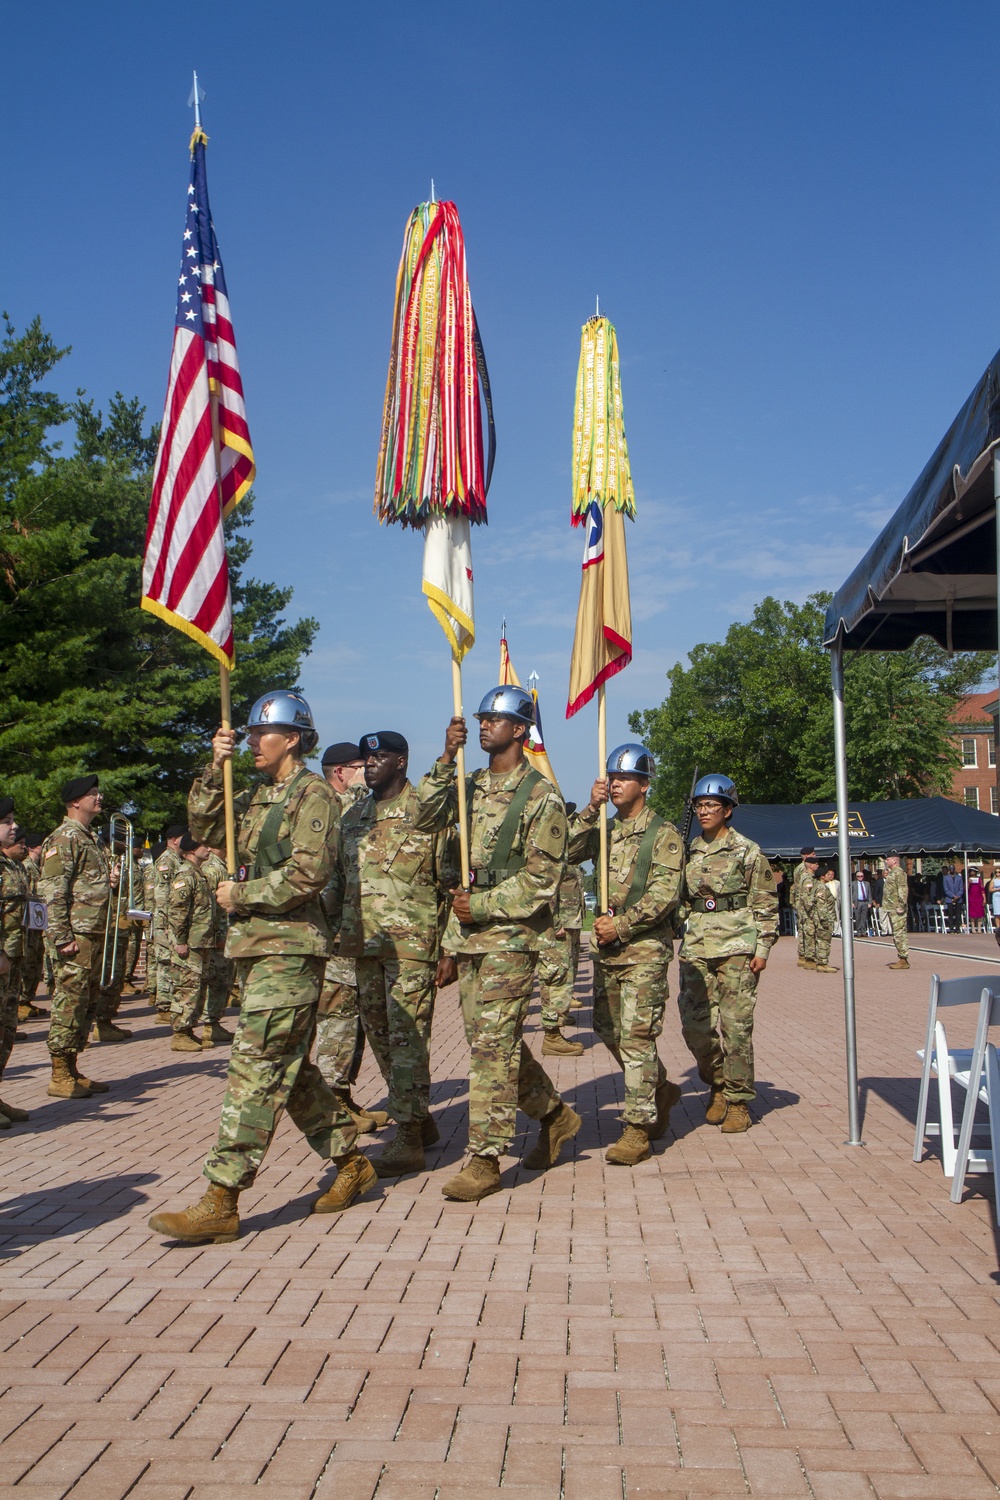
463	808
602	771
225	694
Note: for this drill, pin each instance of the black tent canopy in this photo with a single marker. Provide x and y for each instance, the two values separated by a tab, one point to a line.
923	825
932	569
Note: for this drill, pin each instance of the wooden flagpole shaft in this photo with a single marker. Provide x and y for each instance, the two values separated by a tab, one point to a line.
225	697
602	771
463	808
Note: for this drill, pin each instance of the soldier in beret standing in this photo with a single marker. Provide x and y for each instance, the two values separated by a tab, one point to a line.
76	883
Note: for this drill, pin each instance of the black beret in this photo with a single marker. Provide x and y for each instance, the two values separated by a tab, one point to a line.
383	739
175	830
33	839
808	849
339	754
6	806
892	854
156	851
189	844
78	787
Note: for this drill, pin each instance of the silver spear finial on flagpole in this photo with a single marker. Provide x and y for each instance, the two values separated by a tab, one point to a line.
433	194
195	98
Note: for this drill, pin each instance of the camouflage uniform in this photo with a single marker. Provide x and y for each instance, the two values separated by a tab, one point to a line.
559	959
220	968
149	904
497	955
895	887
191	918
388	897
13	889
280	941
718	988
801	872
34	944
164	870
76	883
630	980
824	918
804	919
340	1039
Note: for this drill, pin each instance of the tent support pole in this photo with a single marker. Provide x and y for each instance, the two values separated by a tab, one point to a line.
996	721
846	883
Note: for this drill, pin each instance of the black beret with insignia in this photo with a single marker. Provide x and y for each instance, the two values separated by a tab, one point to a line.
78	787
340	754
383	739
6	806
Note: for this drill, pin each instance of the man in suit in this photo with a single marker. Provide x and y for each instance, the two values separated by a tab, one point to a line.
861	897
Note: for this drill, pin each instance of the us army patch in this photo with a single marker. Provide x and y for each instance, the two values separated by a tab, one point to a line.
317	824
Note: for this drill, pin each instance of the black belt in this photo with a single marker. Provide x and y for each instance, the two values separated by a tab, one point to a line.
485	880
718	903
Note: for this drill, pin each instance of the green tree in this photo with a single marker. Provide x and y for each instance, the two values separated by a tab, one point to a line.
757	706
89	680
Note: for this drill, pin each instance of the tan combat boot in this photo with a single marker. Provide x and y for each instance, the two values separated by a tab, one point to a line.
429	1133
185	1041
367	1121
901	963
826	969
478	1178
107	1031
555	1129
802	962
18	1116
88	1083
809	963
214	1219
404	1153
355	1175
715	1113
163	1018
63	1083
631	1147
220	1037
557	1045
667	1095
737	1119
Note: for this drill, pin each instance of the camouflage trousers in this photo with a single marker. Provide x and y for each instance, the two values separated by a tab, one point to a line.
132	949
31	971
340	1040
8	1019
219	982
151	969
504	1076
899	933
189	984
164	979
629	1000
396	997
806	927
558	962
76	995
112	965
270	1071
716	1007
823	932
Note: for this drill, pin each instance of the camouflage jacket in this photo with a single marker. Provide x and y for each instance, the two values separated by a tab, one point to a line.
511	916
75	881
215	872
731	866
824	904
645	929
894	891
389	893
280	910
148	874
164	870
15	888
803	902
191	908
800	874
567	908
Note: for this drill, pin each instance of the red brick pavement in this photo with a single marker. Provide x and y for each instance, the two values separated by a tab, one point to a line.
770	1315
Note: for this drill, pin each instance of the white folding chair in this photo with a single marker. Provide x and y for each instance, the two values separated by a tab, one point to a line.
948	1064
984	1071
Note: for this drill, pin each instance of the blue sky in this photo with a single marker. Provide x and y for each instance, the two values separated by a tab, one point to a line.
788	210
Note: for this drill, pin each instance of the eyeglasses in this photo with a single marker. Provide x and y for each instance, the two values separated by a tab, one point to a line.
708	807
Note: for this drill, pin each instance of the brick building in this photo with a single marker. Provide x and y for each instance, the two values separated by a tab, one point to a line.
975	782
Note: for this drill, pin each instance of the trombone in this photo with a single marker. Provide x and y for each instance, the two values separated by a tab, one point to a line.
123	905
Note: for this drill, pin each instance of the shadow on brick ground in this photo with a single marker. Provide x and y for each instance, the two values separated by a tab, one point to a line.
73	1208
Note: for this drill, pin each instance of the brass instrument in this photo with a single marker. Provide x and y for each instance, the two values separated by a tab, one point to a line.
122	907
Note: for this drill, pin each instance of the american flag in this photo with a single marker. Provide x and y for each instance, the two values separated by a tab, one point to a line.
199	476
